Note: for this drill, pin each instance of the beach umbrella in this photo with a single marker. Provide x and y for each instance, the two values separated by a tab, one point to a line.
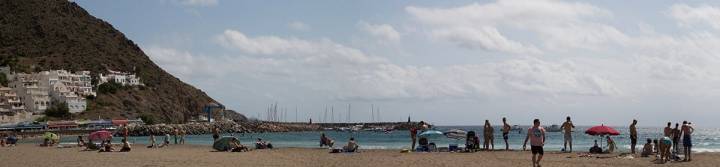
431	133
223	144
50	136
100	135
601	130
455	134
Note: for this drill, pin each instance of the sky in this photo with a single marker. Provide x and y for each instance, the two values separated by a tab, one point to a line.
445	62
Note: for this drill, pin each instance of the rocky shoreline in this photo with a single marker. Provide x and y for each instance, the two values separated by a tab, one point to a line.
251	127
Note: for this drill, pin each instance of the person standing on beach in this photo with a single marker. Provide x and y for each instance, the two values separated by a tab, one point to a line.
687	131
182	136
633	136
536	135
176	133
567	128
125	132
488	135
668	130
216	134
505	131
676	137
413	136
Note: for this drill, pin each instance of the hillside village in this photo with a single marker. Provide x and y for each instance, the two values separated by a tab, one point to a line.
27	96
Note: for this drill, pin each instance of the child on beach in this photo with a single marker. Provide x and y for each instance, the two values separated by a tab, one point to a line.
536	135
611	145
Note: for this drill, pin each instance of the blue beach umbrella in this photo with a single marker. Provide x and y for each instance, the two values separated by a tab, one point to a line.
431	133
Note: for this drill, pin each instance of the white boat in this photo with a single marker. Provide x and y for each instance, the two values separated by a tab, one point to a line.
553	128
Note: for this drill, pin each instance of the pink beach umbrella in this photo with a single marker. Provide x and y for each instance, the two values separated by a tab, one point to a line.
100	135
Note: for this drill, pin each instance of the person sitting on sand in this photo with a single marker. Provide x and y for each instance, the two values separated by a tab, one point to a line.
423	144
235	146
595	149
326	141
107	147
46	143
260	144
471	143
80	141
656	146
91	146
11	140
126	146
351	146
611	145
647	149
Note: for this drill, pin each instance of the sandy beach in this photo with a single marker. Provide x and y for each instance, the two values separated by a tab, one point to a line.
195	155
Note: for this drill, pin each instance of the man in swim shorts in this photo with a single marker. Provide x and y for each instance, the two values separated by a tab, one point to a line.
567	129
536	135
687	131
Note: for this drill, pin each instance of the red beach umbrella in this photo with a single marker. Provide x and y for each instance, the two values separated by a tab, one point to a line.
602	130
100	135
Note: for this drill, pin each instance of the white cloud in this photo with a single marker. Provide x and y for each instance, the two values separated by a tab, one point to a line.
199	2
298	26
349	73
703	14
382	31
558	25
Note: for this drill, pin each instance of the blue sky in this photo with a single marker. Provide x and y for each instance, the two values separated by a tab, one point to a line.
447	62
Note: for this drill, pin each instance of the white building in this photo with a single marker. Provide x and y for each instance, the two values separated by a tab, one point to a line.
62	93
27	86
78	82
11	108
123	78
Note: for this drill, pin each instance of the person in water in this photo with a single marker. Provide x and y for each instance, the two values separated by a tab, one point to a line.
687	131
536	135
567	127
505	131
489	137
633	136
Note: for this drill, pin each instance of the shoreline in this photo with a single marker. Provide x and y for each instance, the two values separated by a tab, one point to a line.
200	155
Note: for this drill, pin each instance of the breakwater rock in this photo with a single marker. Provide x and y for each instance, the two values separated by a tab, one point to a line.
253	127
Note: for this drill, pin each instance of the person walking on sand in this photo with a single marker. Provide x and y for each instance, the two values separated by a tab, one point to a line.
536	135
633	136
687	131
488	135
505	131
567	129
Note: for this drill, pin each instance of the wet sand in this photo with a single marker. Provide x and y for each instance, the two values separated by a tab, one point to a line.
194	155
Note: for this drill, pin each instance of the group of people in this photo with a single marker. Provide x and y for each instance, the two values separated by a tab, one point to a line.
351	146
667	146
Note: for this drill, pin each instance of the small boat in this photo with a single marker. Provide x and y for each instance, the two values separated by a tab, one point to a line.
553	128
516	127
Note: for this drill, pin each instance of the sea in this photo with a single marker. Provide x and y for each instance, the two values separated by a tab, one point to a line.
704	139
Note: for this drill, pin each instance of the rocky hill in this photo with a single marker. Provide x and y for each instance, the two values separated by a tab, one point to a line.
37	35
